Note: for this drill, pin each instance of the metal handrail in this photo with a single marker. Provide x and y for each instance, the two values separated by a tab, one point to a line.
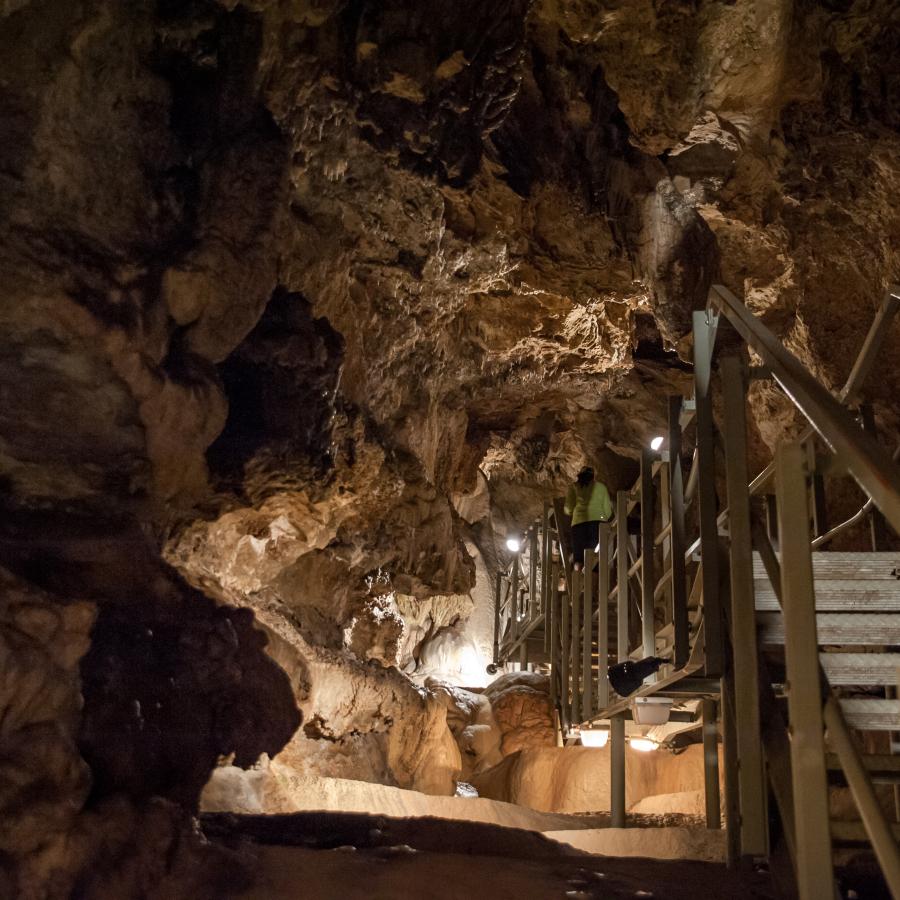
863	457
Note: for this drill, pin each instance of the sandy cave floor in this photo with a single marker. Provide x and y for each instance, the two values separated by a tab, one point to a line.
339	856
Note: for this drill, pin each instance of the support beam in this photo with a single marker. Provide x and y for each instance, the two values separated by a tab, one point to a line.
704	338
532	573
752	787
514	599
814	866
617	771
711	764
565	695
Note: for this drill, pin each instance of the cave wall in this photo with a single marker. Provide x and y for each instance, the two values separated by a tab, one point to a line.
306	304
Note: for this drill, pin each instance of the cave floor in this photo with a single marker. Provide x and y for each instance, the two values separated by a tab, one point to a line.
334	856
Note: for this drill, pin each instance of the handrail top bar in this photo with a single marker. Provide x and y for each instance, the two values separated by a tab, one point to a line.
864	458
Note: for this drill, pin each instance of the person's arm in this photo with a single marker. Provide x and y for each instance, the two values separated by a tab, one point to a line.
569	506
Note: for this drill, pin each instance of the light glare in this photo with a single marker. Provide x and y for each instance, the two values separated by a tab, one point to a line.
644	745
594	737
513	544
656	443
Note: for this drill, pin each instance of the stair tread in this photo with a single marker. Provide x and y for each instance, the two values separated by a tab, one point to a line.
860	668
852	565
839	595
875	629
871	713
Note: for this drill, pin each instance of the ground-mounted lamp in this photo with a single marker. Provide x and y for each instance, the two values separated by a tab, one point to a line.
643	745
594	737
651	710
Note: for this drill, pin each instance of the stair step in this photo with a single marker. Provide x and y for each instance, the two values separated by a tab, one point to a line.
871	713
880	766
854	832
861	668
851	566
838	628
839	596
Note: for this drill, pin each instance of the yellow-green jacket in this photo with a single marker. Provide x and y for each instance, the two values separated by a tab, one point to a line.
589	503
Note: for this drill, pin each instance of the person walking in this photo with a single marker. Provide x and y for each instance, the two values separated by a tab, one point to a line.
588	503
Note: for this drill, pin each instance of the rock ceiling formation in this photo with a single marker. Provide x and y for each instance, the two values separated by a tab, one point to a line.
303	300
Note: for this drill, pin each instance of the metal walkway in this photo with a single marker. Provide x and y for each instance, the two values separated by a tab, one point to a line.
786	650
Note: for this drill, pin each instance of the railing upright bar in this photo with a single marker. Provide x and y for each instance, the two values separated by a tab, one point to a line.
704	336
804	691
575	646
587	637
875	338
622	576
603	618
648	508
498	589
514	602
532	572
555	675
680	618
564	654
545	569
751	782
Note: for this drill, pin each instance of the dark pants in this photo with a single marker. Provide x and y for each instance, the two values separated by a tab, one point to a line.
584	537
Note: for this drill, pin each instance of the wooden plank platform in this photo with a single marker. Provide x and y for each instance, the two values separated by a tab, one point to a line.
838	628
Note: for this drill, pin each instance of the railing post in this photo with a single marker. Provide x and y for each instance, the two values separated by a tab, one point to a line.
751	780
877	526
545	573
555	674
532	572
648	580
704	338
603	619
564	626
711	764
622	576
617	771
514	602
498	593
676	516
814	865
587	619
575	646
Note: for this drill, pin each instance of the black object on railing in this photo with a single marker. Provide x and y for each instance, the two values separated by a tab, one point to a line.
626	677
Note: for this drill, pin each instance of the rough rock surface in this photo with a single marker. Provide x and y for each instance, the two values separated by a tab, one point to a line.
317	300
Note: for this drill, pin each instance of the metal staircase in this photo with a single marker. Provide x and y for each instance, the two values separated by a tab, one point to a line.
788	651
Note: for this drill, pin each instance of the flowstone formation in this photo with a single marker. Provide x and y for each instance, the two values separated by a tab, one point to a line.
306	304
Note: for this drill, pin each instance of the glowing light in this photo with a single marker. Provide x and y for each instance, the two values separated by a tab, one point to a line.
594	737
656	443
513	544
644	745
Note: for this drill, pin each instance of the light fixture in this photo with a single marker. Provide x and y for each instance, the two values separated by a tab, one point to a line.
594	737
657	442
514	544
644	745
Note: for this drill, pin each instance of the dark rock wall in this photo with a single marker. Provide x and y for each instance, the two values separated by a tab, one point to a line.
290	289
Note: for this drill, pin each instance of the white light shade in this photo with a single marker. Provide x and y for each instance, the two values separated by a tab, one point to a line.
594	737
645	745
656	443
513	544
